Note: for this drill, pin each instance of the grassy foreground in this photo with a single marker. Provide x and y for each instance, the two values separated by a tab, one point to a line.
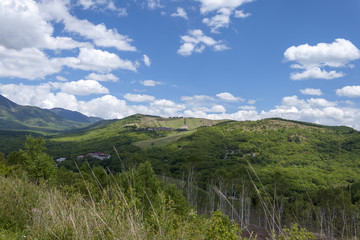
119	211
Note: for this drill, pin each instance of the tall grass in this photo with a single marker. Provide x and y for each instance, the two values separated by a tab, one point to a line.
43	212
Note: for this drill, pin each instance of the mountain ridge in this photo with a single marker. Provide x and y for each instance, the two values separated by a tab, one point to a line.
17	117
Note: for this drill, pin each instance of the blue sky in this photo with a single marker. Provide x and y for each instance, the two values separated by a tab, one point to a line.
233	59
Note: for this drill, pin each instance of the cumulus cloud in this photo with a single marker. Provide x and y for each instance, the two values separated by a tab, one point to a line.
349	91
166	107
29	63
102	6
211	5
100	35
26	28
102	77
220	20
152	4
241	14
150	83
180	12
139	97
228	97
196	41
316	110
81	87
196	98
108	107
38	95
146	60
29	31
98	60
312	59
316	73
61	78
311	91
247	107
217	109
223	9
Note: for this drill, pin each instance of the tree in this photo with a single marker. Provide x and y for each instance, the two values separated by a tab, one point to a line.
38	165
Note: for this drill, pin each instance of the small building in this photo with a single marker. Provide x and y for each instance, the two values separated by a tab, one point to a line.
59	160
99	155
80	157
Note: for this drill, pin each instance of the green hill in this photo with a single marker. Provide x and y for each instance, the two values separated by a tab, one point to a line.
297	170
29	118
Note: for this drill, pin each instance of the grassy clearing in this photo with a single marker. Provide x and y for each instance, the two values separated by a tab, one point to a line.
173	137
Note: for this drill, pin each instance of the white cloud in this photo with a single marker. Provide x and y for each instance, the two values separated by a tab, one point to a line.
316	73
220	20
228	97
312	58
214	5
311	91
99	34
241	14
81	87
196	41
218	108
150	83
320	102
38	95
139	97
97	60
108	107
152	4
102	77
166	107
251	101
349	91
247	107
28	31
180	12
196	98
29	63
146	60
61	78
102	5
313	110
26	28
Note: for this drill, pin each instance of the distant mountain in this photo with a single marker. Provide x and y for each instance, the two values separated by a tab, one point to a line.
74	116
17	117
4	102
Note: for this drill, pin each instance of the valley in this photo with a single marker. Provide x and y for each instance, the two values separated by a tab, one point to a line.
300	172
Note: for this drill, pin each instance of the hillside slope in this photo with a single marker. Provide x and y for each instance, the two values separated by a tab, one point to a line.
74	116
17	117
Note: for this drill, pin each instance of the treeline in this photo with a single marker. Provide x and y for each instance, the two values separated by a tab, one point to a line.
40	201
268	173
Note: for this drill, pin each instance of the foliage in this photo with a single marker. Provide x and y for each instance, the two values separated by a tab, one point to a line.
295	232
220	227
299	172
18	201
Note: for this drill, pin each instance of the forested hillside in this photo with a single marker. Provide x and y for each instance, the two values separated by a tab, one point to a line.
268	173
29	118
